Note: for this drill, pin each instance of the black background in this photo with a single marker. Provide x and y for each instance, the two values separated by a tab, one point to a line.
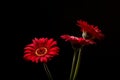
54	18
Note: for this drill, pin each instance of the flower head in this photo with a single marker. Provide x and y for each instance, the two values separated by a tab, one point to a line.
90	29
77	40
41	50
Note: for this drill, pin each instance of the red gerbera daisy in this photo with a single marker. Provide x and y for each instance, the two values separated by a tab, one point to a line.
90	29
77	40
42	49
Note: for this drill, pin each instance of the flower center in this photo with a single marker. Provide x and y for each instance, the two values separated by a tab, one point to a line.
41	51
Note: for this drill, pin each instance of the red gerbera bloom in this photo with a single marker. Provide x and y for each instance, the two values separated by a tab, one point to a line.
42	49
77	40
90	29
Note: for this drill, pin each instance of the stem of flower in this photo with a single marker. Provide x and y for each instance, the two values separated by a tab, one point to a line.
77	64
47	71
73	64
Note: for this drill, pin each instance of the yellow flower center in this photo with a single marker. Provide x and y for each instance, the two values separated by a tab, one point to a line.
41	51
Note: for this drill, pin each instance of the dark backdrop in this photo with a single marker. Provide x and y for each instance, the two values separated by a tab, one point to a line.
54	18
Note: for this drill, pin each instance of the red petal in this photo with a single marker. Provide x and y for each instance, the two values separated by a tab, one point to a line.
29	48
48	56
54	49
31	45
37	59
43	59
35	42
41	41
27	51
45	41
33	59
53	44
65	36
27	55
53	53
49	42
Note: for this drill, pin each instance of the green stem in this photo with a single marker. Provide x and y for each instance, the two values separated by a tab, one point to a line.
77	64
73	64
47	71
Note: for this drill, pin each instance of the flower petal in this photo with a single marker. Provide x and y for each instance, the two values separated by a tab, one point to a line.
53	53
54	49
36	60
49	42
29	48
33	58
43	59
27	55
53	44
31	45
27	51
